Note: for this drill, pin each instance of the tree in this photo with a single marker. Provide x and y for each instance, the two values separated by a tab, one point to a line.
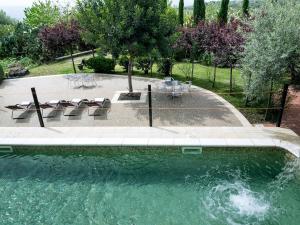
246	8
223	42
129	27
90	16
42	13
181	12
272	52
164	4
186	42
5	19
223	13
230	45
62	36
6	25
199	11
22	41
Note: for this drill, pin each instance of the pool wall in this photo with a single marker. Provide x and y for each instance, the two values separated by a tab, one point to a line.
157	136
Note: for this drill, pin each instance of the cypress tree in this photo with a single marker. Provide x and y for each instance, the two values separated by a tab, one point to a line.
164	4
223	13
199	11
245	8
180	13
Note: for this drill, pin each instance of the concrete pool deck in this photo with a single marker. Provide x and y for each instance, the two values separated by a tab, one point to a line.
198	108
156	136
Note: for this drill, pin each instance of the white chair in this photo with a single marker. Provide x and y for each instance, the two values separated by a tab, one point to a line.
177	91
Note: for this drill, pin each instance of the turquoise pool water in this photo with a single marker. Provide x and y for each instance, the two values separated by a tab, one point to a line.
151	186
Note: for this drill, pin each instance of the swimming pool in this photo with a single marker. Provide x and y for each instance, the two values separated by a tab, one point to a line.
148	185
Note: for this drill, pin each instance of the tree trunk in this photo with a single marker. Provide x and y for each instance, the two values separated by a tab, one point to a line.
93	51
247	98
269	100
73	60
293	74
231	67
193	64
130	74
215	74
151	67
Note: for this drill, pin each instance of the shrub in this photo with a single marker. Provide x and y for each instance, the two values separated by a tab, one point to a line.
100	64
165	66
143	63
1	74
124	62
26	62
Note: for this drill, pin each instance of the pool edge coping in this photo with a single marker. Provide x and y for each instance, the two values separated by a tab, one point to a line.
157	136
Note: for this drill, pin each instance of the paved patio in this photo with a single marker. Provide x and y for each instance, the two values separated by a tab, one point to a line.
197	108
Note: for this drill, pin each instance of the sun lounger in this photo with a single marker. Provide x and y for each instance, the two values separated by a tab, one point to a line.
75	105
25	106
97	103
53	105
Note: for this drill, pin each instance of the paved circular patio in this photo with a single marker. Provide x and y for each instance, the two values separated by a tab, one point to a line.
197	108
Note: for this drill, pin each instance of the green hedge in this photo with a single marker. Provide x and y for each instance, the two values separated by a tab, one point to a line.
100	64
2	75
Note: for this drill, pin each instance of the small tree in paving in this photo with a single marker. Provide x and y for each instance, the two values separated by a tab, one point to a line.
133	26
61	36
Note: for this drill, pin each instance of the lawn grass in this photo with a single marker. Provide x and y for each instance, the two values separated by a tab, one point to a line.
60	67
202	78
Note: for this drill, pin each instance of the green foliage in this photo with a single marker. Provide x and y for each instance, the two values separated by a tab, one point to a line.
90	14
166	35
245	7
223	13
6	26
5	19
100	64
1	74
165	66
144	64
272	53
42	13
181	12
23	41
6	30
124	62
164	4
199	11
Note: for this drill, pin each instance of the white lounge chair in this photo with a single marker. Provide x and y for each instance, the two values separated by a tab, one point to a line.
54	106
25	107
75	104
98	103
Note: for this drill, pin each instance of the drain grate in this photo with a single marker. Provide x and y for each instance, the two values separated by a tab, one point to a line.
6	149
191	150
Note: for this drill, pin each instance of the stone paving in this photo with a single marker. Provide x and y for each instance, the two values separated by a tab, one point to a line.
197	108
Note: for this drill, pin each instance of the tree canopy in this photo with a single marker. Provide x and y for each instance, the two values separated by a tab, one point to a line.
272	52
42	13
199	11
181	12
223	13
5	19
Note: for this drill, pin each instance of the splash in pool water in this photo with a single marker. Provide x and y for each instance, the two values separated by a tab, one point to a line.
247	203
